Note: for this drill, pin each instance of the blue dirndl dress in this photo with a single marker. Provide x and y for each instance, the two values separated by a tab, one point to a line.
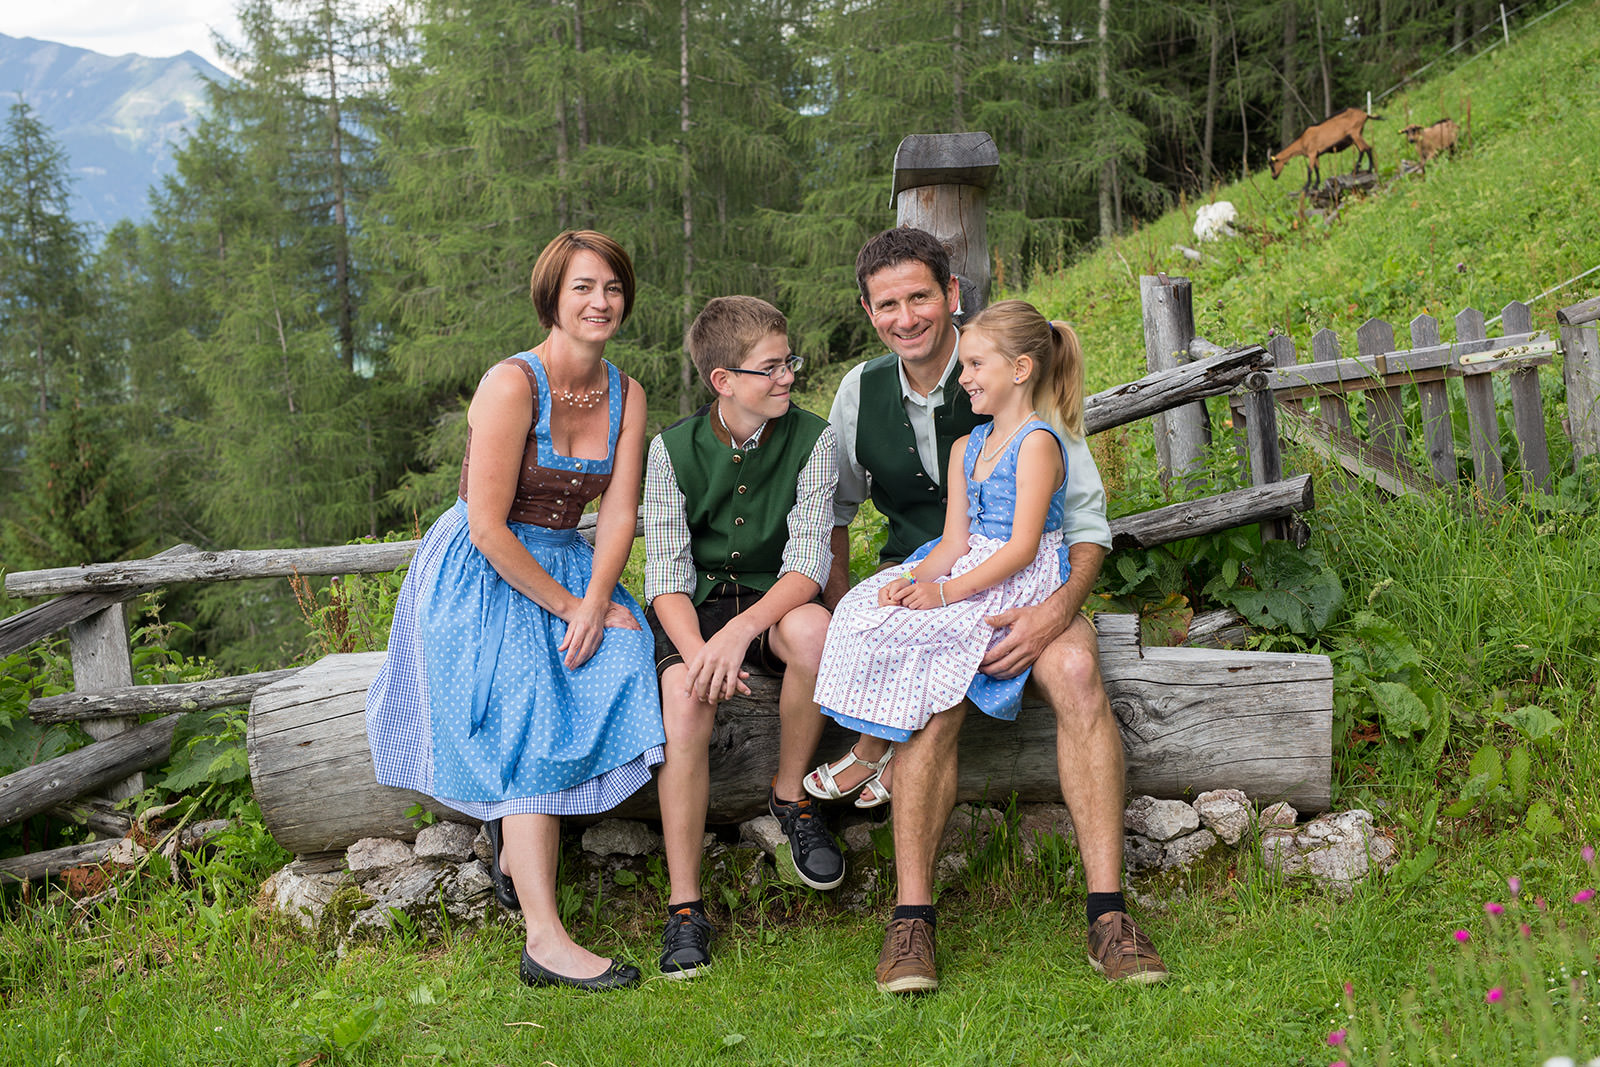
474	706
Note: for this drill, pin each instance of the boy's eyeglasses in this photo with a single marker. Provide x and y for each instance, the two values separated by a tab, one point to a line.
791	363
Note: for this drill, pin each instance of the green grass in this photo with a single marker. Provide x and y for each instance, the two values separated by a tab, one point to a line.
1498	604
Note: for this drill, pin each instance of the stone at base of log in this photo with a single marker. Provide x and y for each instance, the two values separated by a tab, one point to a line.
1192	719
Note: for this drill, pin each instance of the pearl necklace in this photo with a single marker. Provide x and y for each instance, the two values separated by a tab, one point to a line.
985	457
583	399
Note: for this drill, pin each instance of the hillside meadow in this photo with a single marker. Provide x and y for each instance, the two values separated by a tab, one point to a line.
1467	658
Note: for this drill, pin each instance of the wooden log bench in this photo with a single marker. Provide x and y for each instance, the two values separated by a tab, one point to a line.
1192	719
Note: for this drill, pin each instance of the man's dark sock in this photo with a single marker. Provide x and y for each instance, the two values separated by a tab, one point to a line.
696	906
915	911
1100	903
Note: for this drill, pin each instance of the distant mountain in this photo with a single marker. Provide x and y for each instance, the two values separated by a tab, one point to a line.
117	117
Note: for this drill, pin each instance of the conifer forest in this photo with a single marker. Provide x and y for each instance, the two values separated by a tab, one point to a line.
282	353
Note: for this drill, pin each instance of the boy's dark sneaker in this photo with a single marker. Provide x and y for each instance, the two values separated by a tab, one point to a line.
817	859
686	944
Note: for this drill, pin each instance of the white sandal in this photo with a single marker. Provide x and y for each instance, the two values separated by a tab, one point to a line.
820	783
877	793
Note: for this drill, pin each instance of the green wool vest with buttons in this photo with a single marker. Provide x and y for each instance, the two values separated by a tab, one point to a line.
737	502
887	448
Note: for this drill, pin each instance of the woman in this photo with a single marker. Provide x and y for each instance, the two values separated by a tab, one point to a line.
519	684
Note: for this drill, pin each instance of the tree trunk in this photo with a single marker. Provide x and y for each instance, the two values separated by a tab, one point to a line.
685	367
1207	170
1103	92
1322	64
1288	120
344	300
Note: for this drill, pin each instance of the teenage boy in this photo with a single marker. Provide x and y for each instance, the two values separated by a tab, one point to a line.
738	510
896	417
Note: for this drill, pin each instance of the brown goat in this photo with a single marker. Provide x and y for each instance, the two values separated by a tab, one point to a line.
1431	140
1330	135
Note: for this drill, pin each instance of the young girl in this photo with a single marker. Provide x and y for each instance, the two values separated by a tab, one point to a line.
905	644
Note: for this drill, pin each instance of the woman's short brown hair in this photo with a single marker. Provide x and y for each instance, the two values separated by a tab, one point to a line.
551	267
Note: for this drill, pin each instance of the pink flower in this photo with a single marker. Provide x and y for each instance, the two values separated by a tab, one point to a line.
1525	930
1514	884
1463	936
1539	903
1338	1063
1584	896
1495	995
1349	990
1494	909
1337	1037
1588	854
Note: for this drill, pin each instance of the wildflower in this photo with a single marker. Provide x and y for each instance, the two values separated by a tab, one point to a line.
1588	854
1337	1037
1463	936
1495	995
1494	909
1339	1063
1515	885
1525	930
1349	990
1584	896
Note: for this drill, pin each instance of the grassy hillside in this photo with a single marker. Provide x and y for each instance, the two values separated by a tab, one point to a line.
1515	212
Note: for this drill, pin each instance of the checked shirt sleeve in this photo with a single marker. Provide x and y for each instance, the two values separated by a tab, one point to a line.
811	518
668	563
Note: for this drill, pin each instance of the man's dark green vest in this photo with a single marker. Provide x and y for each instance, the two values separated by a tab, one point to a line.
887	448
738	502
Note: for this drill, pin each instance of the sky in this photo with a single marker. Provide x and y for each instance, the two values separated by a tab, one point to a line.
154	28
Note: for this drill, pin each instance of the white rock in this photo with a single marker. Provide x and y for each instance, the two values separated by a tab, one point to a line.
467	881
1225	812
302	890
857	837
1183	851
763	830
1140	854
1338	850
1279	814
372	854
1043	820
621	837
450	841
1160	820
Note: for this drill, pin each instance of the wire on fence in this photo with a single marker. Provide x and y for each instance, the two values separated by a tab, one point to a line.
1499	24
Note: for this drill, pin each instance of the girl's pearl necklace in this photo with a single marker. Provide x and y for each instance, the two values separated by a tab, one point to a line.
986	456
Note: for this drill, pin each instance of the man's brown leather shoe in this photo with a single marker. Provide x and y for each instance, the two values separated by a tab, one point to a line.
906	963
1120	950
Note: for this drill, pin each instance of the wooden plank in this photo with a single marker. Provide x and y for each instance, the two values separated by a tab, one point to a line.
1483	423
1191	518
1162	390
1333	409
34	789
94	813
1266	461
1581	373
1396	368
37	865
146	699
1182	434
1579	314
1386	420
101	660
1527	408
1437	433
1379	466
25	627
1192	719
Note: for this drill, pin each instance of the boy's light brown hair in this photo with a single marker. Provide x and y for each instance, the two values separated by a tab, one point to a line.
727	328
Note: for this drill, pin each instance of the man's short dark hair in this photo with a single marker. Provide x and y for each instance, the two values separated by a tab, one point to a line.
900	245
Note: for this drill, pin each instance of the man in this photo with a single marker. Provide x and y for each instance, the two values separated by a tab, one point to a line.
895	418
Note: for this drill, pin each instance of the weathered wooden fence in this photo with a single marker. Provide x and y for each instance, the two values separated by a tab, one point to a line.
1308	402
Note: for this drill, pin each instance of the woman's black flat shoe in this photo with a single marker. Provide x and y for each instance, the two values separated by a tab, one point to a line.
616	976
505	891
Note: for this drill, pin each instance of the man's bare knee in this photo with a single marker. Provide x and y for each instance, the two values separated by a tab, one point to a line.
1068	675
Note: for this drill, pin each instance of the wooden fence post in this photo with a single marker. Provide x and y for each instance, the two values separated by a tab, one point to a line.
1386	420
1527	408
1435	398
1581	370
1482	422
1182	434
941	183
101	660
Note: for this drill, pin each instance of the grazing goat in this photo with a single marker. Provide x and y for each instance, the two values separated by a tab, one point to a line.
1431	140
1330	135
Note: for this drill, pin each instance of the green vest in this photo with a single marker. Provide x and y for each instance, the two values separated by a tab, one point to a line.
737	503
887	449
